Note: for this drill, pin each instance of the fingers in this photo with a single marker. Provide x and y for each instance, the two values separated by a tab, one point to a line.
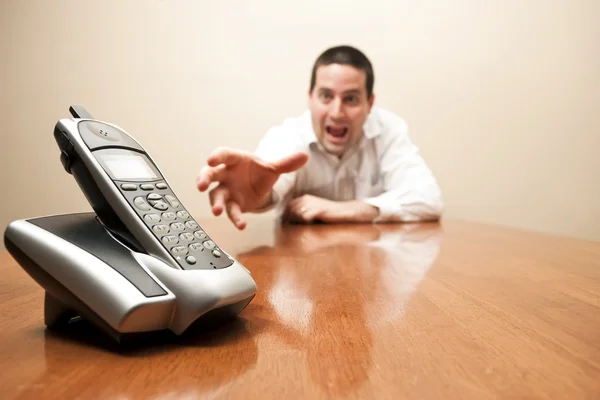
219	200
300	210
225	155
234	213
209	175
218	197
290	213
308	215
290	163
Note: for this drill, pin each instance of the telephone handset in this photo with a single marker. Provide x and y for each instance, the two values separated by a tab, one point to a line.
130	196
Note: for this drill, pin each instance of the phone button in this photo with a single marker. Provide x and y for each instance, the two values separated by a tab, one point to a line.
169	216
147	186
216	253
186	237
195	247
140	203
160	229
154	196
179	251
183	214
161	186
172	201
191	260
200	235
170	239
160	205
192	225
177	226
152	218
128	186
209	244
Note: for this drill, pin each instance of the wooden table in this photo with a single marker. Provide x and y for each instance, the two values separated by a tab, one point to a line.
451	311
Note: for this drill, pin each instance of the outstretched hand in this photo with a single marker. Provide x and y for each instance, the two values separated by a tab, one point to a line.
244	180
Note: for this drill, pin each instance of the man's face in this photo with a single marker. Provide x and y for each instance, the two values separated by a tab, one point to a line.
339	106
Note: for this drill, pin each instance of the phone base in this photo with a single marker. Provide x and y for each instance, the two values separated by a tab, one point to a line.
60	318
87	275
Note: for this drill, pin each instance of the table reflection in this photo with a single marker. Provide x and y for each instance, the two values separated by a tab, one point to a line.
330	288
204	362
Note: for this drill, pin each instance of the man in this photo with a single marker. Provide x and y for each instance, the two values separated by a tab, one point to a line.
343	160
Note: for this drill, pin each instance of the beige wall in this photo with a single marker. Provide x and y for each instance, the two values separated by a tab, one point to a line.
502	97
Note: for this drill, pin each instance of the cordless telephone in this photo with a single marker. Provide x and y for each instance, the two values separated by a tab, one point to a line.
140	262
130	195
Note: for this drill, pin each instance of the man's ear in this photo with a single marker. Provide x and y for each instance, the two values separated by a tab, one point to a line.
371	100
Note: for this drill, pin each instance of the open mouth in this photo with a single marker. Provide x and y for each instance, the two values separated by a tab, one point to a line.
336	133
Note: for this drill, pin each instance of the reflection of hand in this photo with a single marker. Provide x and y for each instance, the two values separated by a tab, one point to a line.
312	238
381	266
245	181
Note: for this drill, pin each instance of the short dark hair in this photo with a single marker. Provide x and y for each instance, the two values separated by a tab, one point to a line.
346	55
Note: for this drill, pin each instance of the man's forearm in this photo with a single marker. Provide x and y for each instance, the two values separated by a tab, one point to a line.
401	206
351	211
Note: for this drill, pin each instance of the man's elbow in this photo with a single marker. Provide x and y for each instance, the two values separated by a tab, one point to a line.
429	209
436	209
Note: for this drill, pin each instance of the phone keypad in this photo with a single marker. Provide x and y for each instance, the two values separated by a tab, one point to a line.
173	226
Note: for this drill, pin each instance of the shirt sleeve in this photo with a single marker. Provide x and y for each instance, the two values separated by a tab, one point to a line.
410	190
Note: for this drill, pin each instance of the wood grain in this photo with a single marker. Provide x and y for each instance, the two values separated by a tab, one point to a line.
425	311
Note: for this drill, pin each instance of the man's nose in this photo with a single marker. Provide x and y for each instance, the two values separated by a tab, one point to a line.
337	109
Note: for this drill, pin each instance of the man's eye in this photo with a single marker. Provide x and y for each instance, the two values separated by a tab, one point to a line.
325	96
351	99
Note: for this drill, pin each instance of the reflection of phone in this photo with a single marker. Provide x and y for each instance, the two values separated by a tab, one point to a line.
130	196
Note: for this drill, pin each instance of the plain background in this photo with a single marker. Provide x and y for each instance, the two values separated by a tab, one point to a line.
502	97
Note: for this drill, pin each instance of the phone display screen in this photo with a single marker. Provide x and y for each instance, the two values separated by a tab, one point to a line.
126	166
129	167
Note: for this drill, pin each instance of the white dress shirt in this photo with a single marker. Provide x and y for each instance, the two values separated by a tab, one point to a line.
384	170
